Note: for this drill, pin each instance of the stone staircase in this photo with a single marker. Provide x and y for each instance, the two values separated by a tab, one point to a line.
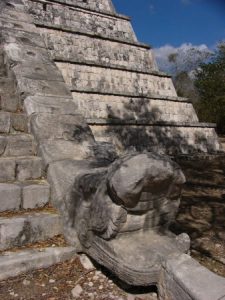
71	60
26	217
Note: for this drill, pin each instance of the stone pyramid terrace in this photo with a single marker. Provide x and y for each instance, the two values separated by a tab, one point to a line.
80	99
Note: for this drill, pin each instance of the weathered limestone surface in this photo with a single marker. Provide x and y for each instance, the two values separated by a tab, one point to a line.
10	197
95	106
35	195
4	122
20	168
100	69
120	198
101	5
17	145
17	195
80	21
13	264
185	279
116	209
33	227
167	138
104	80
67	46
13	122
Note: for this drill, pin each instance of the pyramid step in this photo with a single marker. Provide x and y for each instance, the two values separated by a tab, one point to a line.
80	21
20	168
26	195
167	109
169	137
18	231
16	263
17	145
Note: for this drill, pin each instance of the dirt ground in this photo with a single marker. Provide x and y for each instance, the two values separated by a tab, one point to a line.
57	283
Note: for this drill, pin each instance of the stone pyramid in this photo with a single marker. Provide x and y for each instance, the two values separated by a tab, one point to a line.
114	79
77	91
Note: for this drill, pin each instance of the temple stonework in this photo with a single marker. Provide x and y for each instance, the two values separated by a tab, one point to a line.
91	127
114	79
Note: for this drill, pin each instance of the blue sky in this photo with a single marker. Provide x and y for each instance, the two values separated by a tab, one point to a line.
176	22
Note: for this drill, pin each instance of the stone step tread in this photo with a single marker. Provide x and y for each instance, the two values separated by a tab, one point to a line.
146	122
15	263
13	122
17	144
23	195
20	230
25	212
17	135
20	168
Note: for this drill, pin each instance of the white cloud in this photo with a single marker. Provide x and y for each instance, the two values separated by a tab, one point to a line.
187	57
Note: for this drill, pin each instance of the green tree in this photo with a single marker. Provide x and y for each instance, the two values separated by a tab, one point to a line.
210	84
183	63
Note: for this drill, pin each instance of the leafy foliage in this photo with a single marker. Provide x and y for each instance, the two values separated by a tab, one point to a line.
200	76
210	84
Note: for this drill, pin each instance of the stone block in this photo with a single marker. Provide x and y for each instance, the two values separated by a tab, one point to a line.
165	139
9	102
49	104
53	150
23	54
185	278
15	15
101	5
21	230
10	197
85	49
4	122
93	79
28	168
128	108
16	25
3	144
16	263
35	195
39	71
6	85
17	5
8	169
28	86
2	65
70	127
77	20
22	38
19	145
19	122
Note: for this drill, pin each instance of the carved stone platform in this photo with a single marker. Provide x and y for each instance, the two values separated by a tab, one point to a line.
137	258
